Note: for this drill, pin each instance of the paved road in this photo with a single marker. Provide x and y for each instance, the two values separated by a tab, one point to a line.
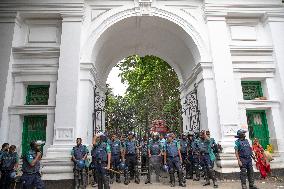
198	185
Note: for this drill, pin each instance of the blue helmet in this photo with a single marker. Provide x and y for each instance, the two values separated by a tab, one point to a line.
122	166
13	175
240	132
166	168
81	164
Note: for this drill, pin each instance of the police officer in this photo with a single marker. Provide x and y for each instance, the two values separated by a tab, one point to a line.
205	159
10	163
155	156
172	157
31	177
102	158
190	155
144	153
213	148
244	156
184	153
130	151
196	156
79	155
4	149
116	151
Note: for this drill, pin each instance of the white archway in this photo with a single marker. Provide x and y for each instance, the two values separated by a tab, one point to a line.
124	33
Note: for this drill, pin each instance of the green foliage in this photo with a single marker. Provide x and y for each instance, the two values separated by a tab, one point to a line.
152	94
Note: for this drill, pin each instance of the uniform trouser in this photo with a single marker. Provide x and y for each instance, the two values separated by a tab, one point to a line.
175	165
185	162
80	176
144	159
247	171
206	163
196	163
115	161
190	166
6	180
102	176
155	165
32	180
132	165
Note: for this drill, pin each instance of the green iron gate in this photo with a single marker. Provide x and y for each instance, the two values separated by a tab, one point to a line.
34	128
257	125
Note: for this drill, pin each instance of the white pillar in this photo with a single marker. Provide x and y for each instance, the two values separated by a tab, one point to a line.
68	80
7	24
275	22
224	80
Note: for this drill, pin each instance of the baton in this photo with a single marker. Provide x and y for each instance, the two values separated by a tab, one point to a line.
112	170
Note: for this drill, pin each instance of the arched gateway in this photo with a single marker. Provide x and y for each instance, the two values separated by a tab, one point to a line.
229	52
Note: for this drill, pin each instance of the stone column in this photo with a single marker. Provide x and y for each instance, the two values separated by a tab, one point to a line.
275	23
224	80
7	24
68	81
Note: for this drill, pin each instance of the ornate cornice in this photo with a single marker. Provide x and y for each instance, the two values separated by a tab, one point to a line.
200	67
36	52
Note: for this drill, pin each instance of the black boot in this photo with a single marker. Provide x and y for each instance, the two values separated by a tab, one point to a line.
250	174
172	179
126	177
181	179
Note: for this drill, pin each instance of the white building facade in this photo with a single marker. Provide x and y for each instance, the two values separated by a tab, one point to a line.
55	53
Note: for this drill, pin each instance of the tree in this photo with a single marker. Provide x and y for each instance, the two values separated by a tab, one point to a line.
152	88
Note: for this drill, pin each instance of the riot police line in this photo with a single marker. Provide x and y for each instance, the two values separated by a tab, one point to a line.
190	156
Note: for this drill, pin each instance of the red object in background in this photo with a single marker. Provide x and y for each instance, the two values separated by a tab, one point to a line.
261	162
159	126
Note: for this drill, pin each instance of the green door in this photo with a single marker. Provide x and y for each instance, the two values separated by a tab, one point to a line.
34	128
257	126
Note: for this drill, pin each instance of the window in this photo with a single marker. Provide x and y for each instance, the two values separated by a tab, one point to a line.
251	90
37	95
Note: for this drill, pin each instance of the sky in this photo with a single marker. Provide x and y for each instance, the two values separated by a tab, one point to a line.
115	82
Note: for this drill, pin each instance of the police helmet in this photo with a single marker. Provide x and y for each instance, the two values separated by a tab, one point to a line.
13	175
166	168
122	166
190	133
81	164
156	134
240	132
131	133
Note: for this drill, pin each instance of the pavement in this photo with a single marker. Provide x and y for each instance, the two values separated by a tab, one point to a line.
271	183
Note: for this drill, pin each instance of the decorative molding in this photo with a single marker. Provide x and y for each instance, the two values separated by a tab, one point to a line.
144	7
89	66
229	129
251	50
44	7
64	134
258	104
201	66
273	17
31	109
8	17
36	52
71	16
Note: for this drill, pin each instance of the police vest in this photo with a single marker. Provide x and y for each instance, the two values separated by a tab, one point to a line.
204	146
8	161
101	152
155	148
172	149
183	146
27	168
115	147
245	149
144	148
130	147
79	152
